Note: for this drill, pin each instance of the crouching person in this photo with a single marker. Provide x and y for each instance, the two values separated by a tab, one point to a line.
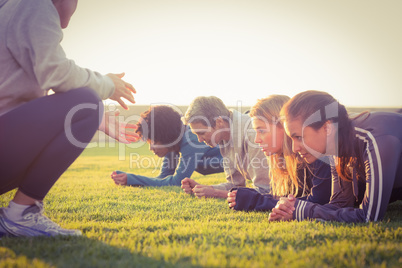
41	135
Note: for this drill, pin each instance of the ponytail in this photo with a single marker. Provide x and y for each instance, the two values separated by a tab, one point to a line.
310	105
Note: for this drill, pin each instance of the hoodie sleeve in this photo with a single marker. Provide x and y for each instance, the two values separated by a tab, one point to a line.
248	199
234	179
34	37
169	165
381	158
190	156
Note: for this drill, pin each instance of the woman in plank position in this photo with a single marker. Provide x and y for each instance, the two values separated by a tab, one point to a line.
365	156
288	173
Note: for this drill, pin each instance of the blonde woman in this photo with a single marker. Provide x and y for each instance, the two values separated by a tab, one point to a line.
288	174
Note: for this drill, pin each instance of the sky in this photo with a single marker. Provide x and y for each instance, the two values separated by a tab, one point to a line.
242	50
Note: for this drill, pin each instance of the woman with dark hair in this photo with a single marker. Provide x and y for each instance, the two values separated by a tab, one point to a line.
288	174
168	137
365	158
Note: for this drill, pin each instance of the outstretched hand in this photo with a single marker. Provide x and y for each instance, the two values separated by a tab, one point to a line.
120	131
122	90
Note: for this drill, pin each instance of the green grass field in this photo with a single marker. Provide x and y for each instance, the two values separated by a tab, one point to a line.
164	227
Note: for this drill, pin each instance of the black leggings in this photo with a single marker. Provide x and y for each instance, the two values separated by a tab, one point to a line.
40	139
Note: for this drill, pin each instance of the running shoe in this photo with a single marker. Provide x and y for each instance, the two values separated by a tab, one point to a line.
33	223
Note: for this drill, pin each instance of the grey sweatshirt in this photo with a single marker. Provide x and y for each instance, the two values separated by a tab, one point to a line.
242	158
32	60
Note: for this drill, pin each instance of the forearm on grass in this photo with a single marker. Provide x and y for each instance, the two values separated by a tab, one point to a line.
220	193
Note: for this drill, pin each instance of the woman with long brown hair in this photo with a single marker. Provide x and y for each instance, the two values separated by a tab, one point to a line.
365	156
288	173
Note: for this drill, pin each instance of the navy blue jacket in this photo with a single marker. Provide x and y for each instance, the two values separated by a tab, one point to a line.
317	177
378	146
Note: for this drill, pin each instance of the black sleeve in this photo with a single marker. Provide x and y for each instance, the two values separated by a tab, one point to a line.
248	199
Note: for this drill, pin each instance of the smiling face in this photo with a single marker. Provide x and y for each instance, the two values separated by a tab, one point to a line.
269	136
158	149
308	142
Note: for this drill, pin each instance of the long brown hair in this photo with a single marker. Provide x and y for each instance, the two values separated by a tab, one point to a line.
323	106
283	176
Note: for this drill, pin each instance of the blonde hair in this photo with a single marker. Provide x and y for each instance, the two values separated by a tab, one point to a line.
283	177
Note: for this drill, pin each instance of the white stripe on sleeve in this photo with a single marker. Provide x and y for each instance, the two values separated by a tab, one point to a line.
300	210
372	171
